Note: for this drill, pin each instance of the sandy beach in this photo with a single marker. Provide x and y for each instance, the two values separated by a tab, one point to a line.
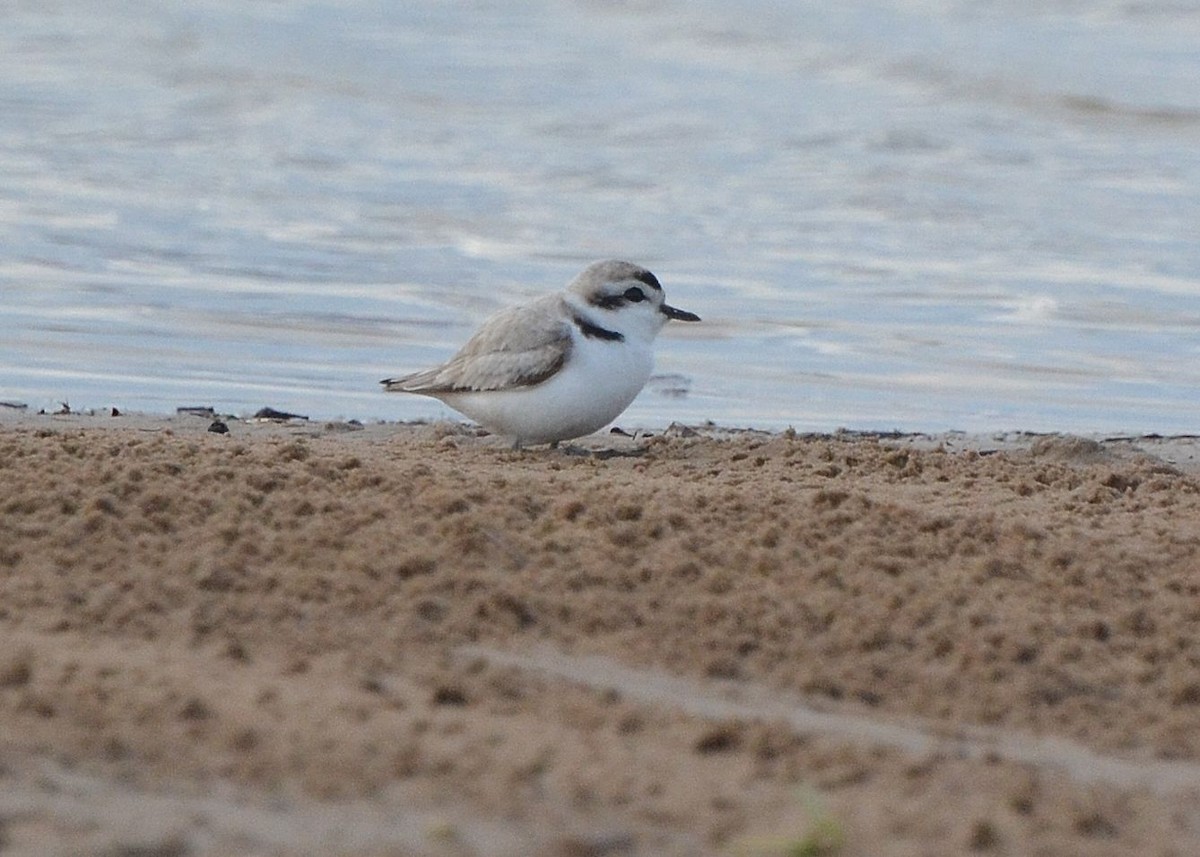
299	638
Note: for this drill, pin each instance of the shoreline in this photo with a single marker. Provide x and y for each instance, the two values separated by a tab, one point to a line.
1177	450
398	638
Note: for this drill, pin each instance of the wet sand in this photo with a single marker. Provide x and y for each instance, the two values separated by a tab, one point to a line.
370	640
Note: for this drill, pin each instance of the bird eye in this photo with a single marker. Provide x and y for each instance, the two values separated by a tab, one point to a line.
634	294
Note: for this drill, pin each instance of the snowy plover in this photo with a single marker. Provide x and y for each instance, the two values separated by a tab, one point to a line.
561	366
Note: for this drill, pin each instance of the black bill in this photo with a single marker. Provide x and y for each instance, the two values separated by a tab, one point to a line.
678	314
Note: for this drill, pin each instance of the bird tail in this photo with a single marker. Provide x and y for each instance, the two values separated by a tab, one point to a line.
419	382
394	385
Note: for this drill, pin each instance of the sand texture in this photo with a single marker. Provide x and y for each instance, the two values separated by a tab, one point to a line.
394	640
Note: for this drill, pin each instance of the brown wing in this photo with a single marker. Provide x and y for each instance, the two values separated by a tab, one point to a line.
517	347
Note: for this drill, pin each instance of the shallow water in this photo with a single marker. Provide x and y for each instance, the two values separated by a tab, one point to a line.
924	216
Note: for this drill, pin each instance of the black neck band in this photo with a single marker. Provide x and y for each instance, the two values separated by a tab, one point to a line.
595	331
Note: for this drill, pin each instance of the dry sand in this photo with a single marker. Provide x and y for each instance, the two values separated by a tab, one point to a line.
396	640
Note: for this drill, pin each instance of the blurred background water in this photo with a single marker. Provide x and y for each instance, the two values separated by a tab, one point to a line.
902	214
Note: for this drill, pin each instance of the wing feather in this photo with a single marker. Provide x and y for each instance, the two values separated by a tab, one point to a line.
517	347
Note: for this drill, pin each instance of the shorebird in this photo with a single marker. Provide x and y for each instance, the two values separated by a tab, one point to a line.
561	366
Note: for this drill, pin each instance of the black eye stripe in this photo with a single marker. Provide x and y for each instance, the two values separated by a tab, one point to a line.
632	295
